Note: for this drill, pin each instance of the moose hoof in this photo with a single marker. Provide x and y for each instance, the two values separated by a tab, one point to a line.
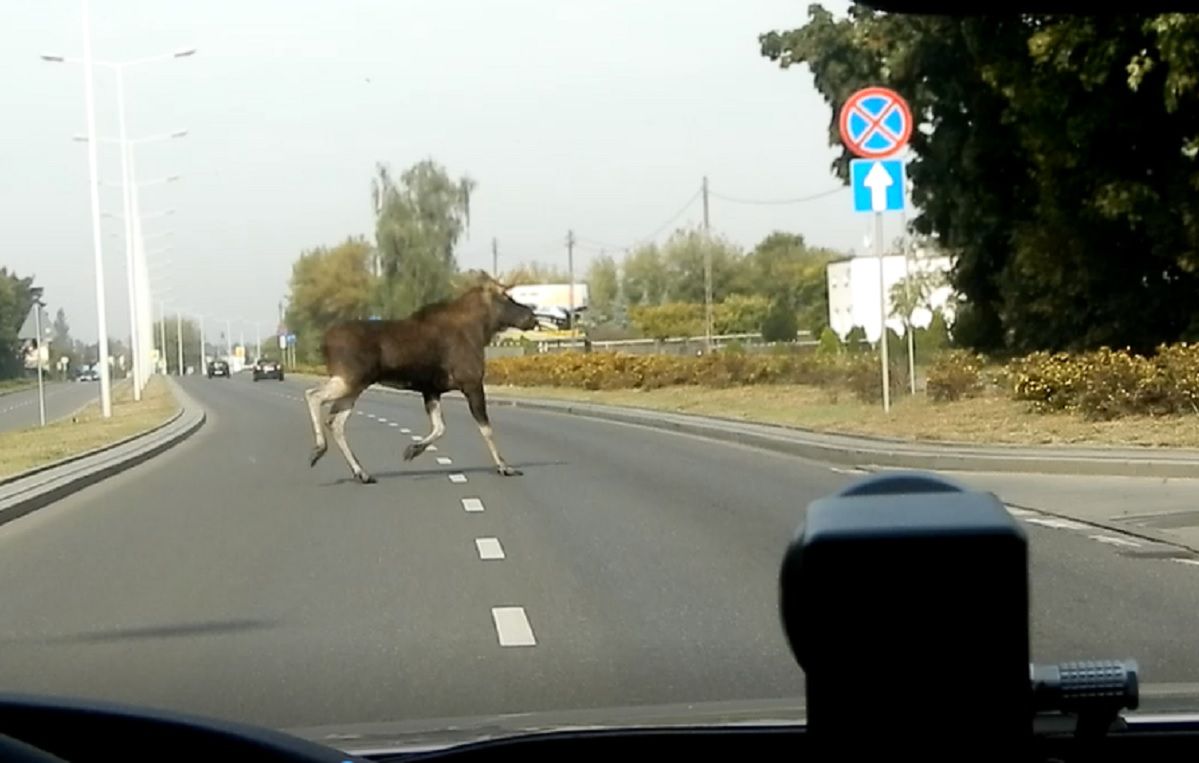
412	451
365	478
316	455
508	471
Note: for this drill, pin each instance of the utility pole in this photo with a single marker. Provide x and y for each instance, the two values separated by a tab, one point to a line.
179	339
907	272
495	258
570	269
707	273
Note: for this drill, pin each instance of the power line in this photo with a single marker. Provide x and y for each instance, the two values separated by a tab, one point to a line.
652	236
765	202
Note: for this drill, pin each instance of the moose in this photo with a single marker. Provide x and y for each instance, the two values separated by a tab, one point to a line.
437	349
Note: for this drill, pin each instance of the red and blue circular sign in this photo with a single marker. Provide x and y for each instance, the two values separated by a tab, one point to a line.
875	122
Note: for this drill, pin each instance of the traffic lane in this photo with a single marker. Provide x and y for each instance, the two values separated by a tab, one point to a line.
228	578
1091	595
19	410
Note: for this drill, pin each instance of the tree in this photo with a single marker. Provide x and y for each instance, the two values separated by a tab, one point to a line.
16	300
913	292
644	278
780	323
327	286
61	344
419	223
603	287
668	320
1056	159
683	257
739	314
784	269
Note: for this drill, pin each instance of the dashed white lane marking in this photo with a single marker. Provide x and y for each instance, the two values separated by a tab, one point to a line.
359	413
489	548
458	478
392	424
417	438
370	415
381	420
444	460
405	430
1113	540
512	626
1057	524
472	504
431	448
849	470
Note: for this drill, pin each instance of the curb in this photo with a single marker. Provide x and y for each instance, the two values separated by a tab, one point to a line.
874	452
28	491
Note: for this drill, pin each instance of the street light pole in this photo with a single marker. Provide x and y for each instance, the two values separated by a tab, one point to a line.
97	239
130	275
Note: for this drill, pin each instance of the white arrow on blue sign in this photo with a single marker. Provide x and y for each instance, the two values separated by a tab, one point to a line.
877	185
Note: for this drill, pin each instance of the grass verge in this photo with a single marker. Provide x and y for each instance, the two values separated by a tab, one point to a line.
16	385
981	420
27	448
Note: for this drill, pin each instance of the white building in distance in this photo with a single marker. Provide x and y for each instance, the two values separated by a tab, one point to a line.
853	293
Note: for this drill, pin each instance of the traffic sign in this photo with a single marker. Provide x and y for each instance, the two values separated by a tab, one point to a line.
875	122
291	340
877	185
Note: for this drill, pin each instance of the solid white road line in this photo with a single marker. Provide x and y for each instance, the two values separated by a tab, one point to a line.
1192	562
444	460
472	504
1057	524
489	548
1113	540
512	626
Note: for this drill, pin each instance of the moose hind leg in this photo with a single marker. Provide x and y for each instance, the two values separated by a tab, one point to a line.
433	408
331	389
341	411
478	409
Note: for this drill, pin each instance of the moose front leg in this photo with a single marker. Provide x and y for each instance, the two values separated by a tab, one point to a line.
478	409
433	408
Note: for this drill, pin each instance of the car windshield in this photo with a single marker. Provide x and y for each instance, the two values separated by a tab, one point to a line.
668	272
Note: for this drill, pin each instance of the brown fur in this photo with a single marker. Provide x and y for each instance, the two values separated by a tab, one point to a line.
437	349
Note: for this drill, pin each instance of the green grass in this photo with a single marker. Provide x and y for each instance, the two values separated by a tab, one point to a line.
24	449
984	420
16	385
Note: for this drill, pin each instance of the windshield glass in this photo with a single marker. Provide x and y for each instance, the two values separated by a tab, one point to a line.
725	235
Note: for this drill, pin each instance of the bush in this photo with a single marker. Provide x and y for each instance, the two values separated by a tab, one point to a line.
954	375
780	324
1107	384
830	343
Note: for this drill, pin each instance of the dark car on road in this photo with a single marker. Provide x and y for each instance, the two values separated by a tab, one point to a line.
265	368
218	368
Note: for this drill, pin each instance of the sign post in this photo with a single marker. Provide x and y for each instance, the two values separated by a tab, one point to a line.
875	124
33	328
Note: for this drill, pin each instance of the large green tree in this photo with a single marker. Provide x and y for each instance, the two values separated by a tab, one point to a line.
792	275
420	221
683	256
603	287
328	285
1055	158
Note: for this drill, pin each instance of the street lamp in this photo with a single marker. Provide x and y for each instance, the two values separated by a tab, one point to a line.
135	303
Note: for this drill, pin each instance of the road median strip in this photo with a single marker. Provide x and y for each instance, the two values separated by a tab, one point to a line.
43	483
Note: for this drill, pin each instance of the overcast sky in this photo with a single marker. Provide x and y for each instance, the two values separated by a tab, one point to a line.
597	116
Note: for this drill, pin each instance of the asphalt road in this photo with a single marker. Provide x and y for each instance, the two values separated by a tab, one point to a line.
19	410
639	568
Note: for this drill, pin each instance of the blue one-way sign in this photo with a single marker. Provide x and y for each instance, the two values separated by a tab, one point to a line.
877	185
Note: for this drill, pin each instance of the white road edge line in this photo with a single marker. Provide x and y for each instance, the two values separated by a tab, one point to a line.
457	478
1192	562
472	504
489	548
1058	524
1113	540
512	626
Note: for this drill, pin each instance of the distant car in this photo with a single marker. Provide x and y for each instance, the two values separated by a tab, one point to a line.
265	368
218	368
89	375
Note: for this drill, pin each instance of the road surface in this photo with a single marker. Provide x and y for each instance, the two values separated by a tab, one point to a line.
18	410
638	568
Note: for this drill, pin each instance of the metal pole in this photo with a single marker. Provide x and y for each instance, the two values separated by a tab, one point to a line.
229	340
570	268
882	311
707	274
145	297
41	390
203	350
257	339
179	340
130	276
907	279
97	236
